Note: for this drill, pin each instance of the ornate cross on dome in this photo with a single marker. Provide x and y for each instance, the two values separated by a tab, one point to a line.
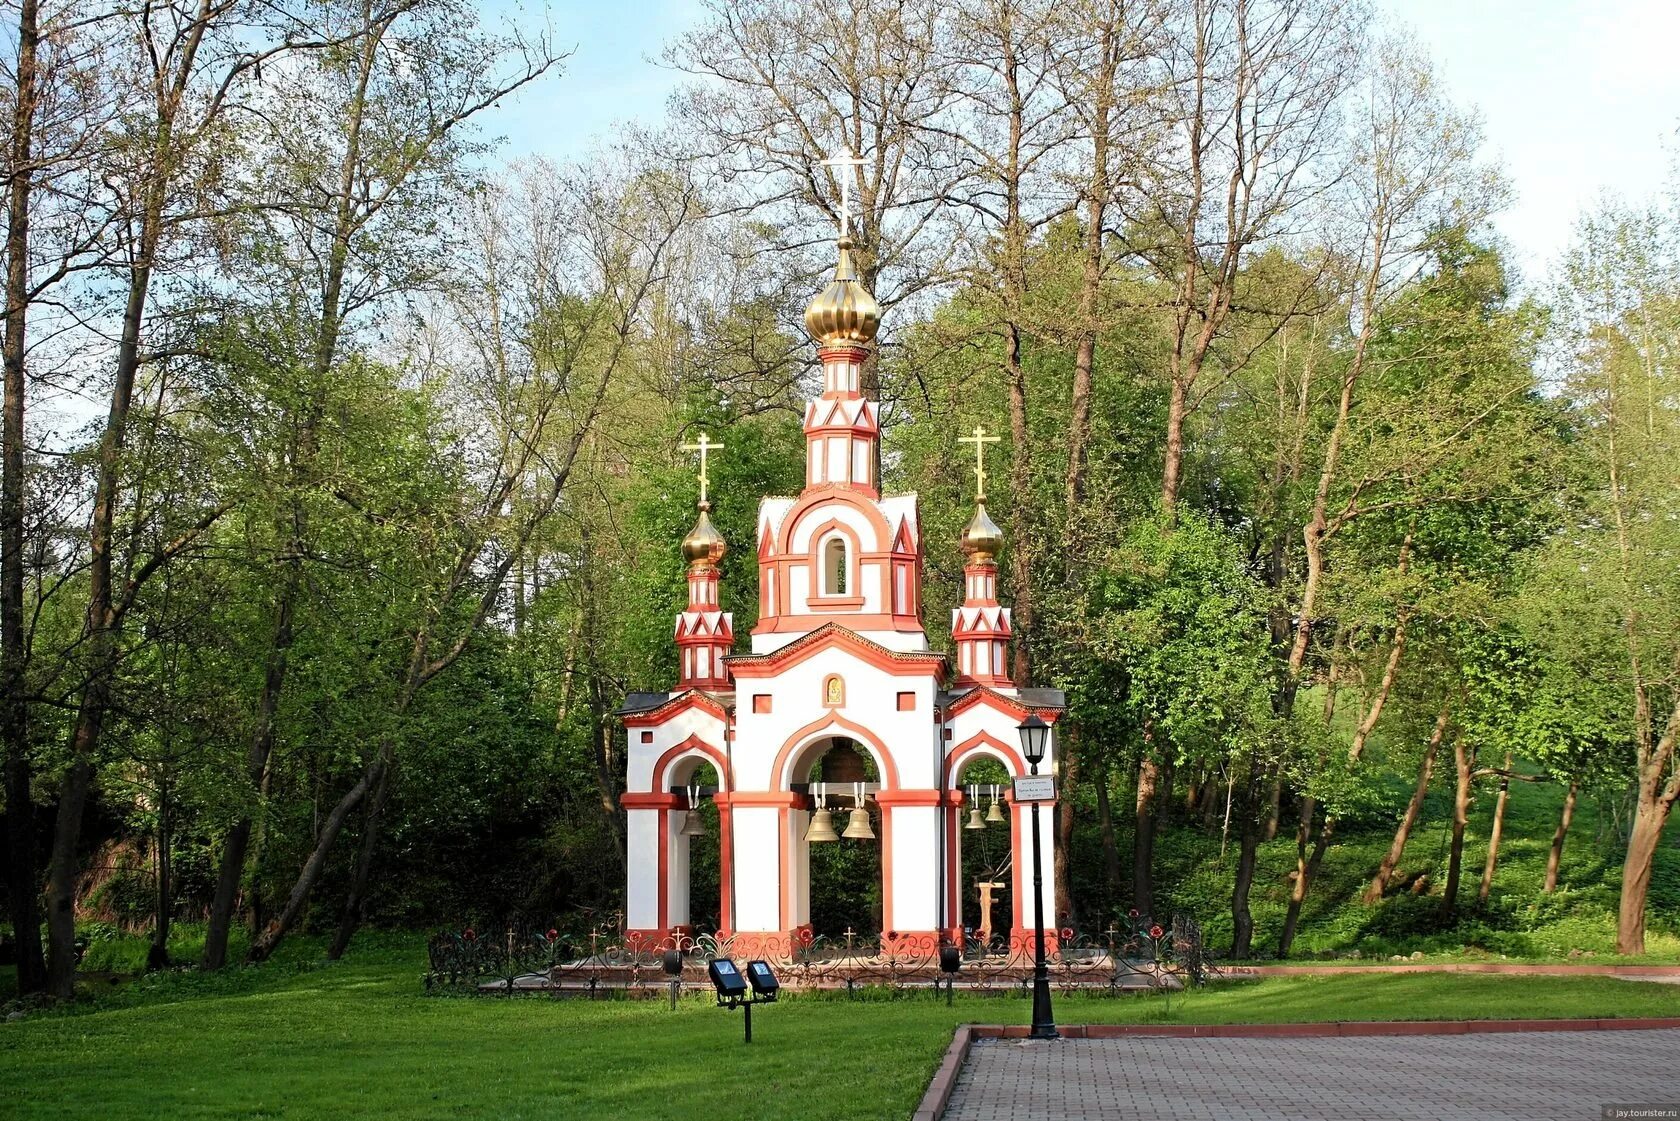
979	440
704	445
844	159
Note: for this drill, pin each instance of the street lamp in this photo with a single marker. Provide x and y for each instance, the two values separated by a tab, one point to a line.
1035	738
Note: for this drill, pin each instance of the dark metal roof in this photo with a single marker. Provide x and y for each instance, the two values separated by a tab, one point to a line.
641	702
1031	698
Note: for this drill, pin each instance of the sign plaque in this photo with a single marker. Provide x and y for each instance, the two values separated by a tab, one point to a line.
1035	788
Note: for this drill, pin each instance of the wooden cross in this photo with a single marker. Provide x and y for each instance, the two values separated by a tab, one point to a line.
845	159
987	887
979	440
704	446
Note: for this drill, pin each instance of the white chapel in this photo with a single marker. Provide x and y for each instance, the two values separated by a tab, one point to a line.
838	656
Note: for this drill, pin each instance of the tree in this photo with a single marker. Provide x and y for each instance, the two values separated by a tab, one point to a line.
1613	570
362	209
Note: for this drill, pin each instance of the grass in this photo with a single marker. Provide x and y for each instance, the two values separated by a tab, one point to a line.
298	1038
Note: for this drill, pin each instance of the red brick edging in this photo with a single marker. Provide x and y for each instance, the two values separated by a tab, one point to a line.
938	1094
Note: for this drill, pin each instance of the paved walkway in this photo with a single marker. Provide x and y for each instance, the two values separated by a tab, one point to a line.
1539	1076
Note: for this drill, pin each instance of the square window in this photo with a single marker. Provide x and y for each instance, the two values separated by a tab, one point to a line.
647	737
907	702
761	702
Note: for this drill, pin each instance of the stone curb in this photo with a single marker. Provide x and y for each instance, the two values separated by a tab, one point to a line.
938	1094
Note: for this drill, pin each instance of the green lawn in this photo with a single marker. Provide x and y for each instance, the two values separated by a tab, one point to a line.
297	1039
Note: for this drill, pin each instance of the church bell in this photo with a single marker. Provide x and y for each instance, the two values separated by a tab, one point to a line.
857	826
822	826
994	816
974	821
692	825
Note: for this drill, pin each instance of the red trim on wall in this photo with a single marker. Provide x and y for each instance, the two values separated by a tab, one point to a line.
883	760
692	743
649	801
726	863
673	706
887	861
900	663
761	798
664	911
782	857
842	493
910	797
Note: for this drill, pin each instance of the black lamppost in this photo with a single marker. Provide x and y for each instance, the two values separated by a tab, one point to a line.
1035	737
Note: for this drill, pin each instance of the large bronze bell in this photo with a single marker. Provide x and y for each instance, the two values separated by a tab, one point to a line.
822	827
857	825
974	821
693	826
994	816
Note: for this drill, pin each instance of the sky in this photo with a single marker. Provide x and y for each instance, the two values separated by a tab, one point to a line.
1577	97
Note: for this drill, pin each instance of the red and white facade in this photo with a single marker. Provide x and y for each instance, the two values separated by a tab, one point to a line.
838	655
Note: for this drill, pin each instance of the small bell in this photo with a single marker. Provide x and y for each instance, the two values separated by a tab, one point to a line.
822	827
994	816
692	825
974	821
858	827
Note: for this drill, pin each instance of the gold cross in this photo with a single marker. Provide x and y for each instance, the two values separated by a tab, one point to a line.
844	159
703	446
979	440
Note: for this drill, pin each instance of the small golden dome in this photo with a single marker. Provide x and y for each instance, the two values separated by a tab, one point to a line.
704	544
982	540
844	313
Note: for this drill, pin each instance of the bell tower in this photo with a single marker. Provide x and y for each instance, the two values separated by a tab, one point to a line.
980	627
842	426
705	634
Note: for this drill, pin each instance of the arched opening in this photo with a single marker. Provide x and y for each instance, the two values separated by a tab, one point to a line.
695	889
986	854
843	887
836	566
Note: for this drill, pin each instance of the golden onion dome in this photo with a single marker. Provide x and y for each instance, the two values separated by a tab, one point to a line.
704	544
844	313
982	540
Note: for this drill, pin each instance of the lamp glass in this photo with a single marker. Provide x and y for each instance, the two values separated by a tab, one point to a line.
1035	738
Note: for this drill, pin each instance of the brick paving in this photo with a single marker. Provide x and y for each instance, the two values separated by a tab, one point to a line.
1539	1076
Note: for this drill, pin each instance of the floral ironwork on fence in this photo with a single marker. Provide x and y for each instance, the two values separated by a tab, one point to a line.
519	957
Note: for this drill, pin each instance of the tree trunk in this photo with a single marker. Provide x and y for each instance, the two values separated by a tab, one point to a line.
1067	910
1464	761
1020	482
1274	807
1643	840
238	839
265	943
1110	846
356	899
1306	867
1554	859
1396	849
1248	852
1143	833
157	956
346	221
23	872
1494	835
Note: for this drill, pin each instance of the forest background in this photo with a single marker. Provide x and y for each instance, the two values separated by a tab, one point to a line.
355	509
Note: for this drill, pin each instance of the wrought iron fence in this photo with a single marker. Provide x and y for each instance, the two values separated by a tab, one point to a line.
519	957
